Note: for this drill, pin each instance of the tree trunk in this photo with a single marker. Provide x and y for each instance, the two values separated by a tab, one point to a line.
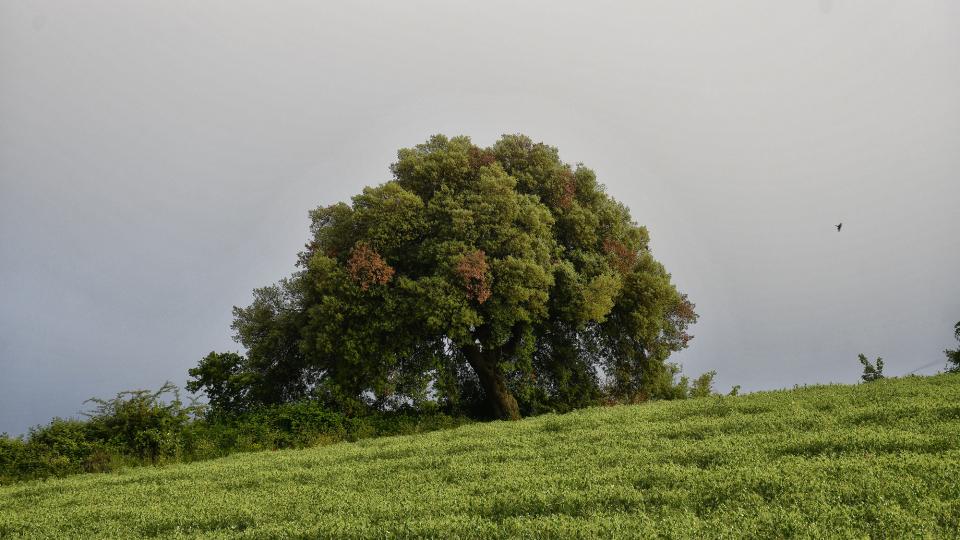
494	384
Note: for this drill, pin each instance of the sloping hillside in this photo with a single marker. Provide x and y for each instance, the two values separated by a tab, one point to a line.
880	459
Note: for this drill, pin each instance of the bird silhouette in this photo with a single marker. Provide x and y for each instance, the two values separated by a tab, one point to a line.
838	226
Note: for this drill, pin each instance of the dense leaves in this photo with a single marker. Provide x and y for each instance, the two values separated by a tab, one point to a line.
144	427
498	276
134	427
142	423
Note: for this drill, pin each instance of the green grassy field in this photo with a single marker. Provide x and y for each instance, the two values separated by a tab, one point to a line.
880	460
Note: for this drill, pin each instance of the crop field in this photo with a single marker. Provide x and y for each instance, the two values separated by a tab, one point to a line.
879	459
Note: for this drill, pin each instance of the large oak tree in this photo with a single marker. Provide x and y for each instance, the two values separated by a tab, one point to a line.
500	275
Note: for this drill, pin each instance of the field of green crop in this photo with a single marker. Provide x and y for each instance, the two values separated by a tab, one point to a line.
879	459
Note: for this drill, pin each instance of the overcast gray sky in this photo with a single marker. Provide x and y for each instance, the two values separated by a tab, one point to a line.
158	159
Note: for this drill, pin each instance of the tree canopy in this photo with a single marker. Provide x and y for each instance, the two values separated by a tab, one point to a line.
497	278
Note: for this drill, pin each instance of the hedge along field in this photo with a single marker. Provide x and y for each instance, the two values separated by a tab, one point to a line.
879	459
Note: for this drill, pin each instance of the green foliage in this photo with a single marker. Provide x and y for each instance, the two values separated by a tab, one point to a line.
703	385
496	276
226	380
69	440
15	460
141	424
735	391
661	382
60	448
863	461
140	427
307	423
871	371
953	356
133	427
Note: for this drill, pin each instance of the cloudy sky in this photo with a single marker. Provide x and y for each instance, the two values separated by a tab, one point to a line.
158	159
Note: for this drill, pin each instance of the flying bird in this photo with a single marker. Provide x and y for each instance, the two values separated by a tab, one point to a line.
838	226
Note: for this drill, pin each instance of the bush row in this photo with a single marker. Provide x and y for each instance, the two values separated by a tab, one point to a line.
142	428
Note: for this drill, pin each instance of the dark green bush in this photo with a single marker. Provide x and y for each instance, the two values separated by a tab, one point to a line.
16	461
140	424
69	439
140	427
60	448
143	427
308	423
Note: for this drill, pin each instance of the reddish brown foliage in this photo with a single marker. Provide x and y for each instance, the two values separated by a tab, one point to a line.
367	267
621	257
473	269
568	190
481	157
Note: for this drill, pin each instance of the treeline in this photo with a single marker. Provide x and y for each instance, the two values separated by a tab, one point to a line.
152	428
143	427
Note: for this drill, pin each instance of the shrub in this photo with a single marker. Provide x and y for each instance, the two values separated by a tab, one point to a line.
703	385
15	459
60	448
141	424
871	371
69	439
